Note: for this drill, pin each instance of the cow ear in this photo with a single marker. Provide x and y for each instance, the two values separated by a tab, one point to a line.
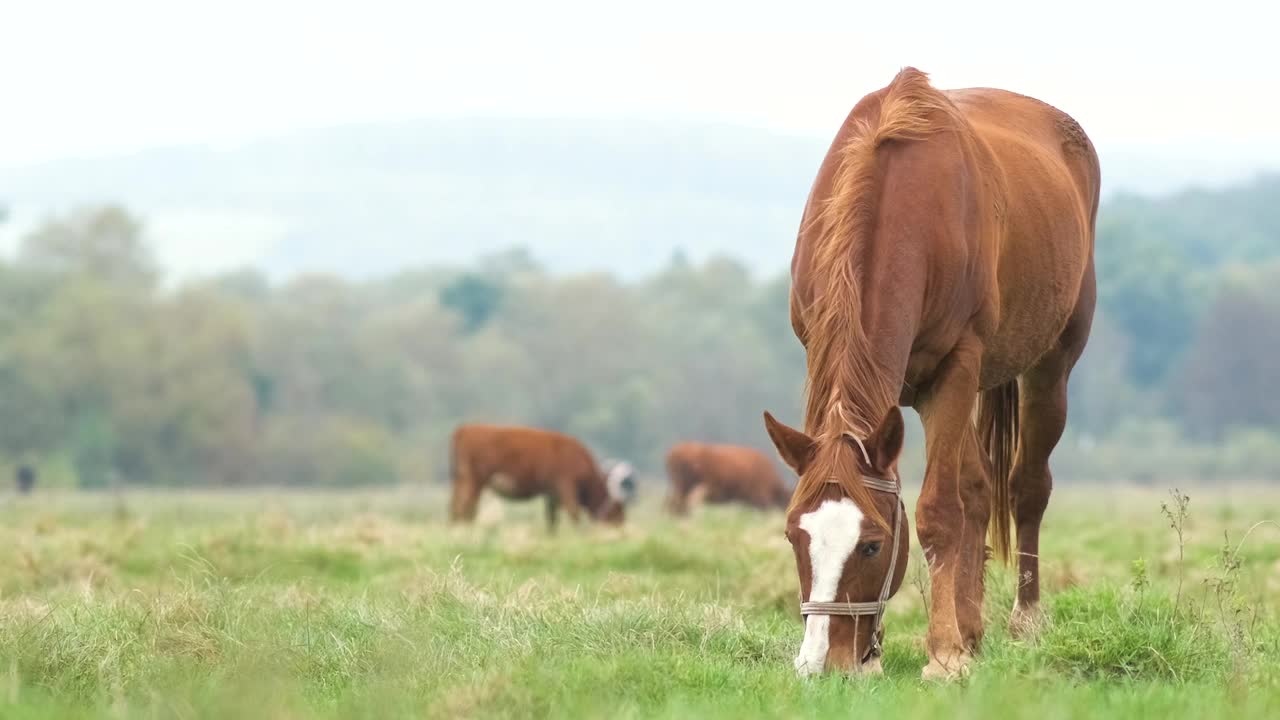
885	444
794	447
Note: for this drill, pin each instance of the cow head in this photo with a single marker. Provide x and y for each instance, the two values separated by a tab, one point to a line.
620	479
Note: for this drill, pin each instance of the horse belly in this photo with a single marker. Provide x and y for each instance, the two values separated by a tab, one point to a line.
1045	251
1040	280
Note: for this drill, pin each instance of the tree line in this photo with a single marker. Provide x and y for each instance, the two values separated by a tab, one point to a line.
108	374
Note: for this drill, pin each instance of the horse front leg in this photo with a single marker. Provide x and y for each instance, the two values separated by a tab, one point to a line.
952	514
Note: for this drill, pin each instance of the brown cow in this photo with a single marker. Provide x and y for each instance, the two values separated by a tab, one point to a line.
701	472
521	463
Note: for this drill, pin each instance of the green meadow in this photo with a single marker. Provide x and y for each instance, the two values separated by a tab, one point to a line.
368	605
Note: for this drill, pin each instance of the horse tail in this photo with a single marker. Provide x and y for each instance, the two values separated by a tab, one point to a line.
997	425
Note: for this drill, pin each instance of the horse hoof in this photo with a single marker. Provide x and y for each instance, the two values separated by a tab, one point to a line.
952	667
1026	623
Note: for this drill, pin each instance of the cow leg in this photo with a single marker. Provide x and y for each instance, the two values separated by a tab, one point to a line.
697	496
678	501
567	490
675	503
553	512
466	496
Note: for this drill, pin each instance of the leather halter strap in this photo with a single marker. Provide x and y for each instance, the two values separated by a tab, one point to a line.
875	607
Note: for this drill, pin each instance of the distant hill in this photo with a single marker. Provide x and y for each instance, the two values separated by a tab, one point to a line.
582	194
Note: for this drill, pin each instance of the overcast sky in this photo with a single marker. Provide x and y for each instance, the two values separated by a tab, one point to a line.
103	77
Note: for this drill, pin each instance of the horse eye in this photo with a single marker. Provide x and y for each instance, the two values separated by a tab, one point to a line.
871	549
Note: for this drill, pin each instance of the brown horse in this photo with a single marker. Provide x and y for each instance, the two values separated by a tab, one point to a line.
944	261
702	472
522	463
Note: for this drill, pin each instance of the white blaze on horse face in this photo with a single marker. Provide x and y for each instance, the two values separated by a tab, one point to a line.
834	529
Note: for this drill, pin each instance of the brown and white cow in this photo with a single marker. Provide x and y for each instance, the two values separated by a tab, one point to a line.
521	463
702	472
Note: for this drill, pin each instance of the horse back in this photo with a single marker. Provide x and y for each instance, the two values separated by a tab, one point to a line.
1047	173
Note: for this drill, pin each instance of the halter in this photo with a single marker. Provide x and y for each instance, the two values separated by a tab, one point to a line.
876	607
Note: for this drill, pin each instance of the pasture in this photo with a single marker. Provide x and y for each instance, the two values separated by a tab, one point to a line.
288	605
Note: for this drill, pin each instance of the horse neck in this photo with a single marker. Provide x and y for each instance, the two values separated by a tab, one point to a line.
865	378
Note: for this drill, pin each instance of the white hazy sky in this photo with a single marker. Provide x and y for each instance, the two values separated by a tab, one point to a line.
101	77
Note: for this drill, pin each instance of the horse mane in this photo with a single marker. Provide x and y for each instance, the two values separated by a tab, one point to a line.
846	389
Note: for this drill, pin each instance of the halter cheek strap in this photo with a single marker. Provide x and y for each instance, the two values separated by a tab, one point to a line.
875	607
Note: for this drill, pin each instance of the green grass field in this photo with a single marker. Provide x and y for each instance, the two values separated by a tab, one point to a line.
367	605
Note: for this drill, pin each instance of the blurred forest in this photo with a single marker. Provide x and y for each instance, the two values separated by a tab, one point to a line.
109	374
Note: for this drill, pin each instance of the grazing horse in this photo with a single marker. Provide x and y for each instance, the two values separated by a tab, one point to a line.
521	463
702	472
944	261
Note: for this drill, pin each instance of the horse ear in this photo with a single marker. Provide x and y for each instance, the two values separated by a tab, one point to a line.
885	444
795	448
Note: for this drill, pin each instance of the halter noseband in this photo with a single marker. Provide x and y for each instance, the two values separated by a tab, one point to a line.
875	607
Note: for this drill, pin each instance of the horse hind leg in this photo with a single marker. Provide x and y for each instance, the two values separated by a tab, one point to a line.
1042	414
1043	411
